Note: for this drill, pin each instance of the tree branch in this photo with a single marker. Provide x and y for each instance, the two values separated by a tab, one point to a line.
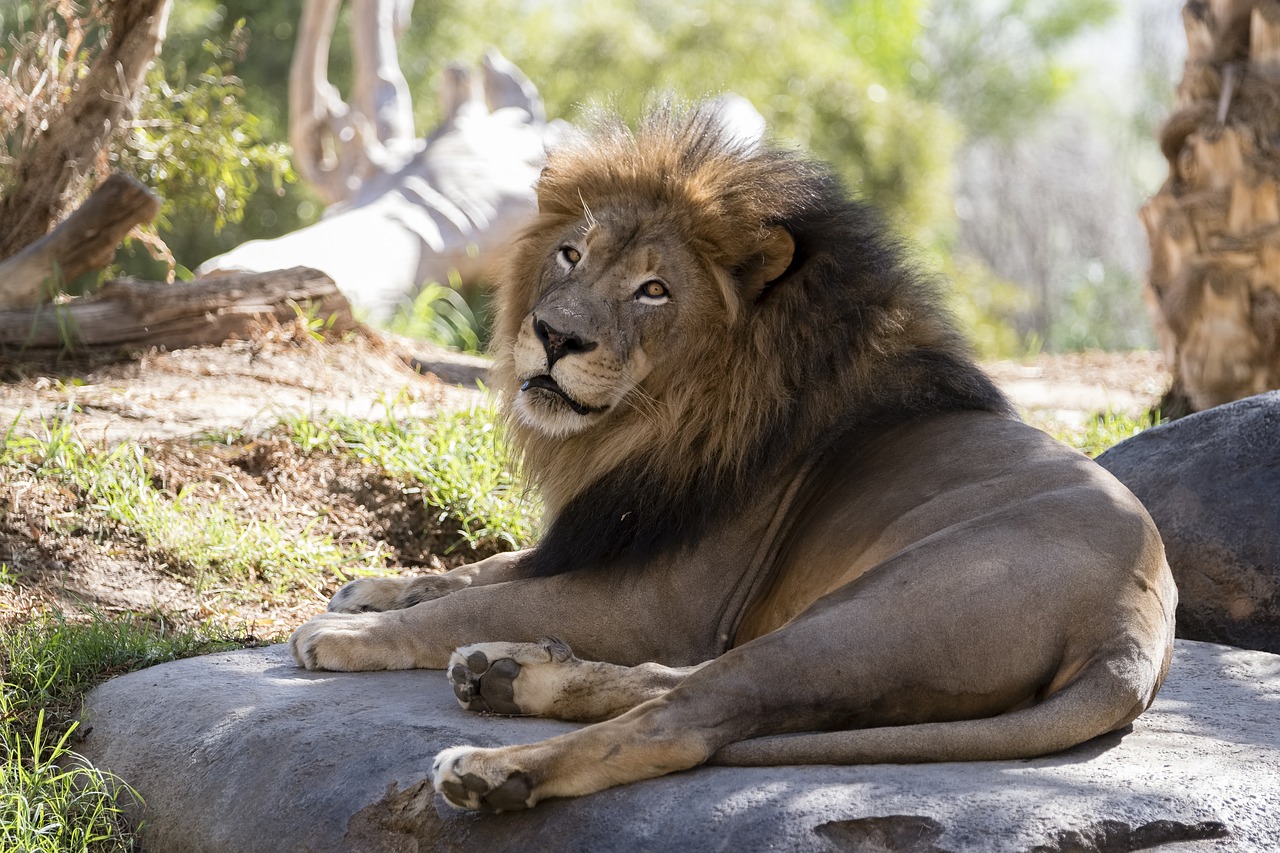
86	240
324	136
381	94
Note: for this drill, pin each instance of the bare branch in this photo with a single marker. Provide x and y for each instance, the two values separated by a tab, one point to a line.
327	148
338	145
381	92
505	85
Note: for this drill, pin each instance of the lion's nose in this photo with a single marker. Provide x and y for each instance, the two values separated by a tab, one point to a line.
558	344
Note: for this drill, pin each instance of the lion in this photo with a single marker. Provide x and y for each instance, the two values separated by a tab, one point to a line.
788	519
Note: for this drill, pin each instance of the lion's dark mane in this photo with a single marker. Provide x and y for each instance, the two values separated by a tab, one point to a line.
845	276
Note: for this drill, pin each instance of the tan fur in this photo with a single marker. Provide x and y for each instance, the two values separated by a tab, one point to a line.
788	520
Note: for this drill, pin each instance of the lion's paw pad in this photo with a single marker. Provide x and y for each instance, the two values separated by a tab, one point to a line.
484	675
485	686
458	776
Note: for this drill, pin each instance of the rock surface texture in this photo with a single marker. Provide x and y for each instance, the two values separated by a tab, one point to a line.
1212	483
244	752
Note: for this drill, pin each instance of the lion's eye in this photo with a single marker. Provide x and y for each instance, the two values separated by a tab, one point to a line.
569	256
653	292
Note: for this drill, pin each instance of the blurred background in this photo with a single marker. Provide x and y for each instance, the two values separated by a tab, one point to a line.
1010	141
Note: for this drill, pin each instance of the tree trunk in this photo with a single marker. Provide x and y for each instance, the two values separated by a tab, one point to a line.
1214	228
336	145
126	313
84	241
103	100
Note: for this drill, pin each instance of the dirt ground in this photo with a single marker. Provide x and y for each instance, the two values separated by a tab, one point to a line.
57	557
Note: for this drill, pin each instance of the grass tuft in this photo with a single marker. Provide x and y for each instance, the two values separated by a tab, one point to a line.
204	539
50	800
458	462
1105	430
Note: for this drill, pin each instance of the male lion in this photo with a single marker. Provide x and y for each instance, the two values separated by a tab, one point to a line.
788	520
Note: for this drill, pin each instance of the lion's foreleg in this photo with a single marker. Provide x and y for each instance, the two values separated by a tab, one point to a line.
545	679
580	609
733	697
650	740
360	642
365	595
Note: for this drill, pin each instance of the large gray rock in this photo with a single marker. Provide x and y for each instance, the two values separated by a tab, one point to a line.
1211	481
243	752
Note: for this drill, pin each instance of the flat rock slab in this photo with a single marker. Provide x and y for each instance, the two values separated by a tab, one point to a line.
243	752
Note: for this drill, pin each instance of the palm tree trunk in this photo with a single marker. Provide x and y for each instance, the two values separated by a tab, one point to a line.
1214	227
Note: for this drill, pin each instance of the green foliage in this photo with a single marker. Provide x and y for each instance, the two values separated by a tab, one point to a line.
1100	309
996	66
886	34
1107	429
197	144
49	801
789	58
458	462
261	65
987	308
441	314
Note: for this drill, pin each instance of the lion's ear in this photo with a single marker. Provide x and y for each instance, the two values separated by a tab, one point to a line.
776	252
537	192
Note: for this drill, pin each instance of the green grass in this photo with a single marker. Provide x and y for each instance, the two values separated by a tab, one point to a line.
49	801
441	315
46	807
1105	430
207	540
457	461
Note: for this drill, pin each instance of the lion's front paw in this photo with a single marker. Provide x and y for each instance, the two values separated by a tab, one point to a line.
376	595
472	778
344	643
509	678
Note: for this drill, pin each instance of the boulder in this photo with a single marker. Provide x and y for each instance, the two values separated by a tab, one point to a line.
242	752
1211	481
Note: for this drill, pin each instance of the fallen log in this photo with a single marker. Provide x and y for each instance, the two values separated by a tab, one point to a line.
128	313
86	240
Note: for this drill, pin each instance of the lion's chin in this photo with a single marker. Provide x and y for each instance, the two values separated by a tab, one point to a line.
552	412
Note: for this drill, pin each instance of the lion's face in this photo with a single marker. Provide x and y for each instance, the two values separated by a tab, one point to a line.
618	295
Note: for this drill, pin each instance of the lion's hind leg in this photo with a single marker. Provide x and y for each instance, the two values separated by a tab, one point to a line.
545	680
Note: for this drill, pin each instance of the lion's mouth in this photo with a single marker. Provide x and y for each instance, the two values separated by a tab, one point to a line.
546	383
